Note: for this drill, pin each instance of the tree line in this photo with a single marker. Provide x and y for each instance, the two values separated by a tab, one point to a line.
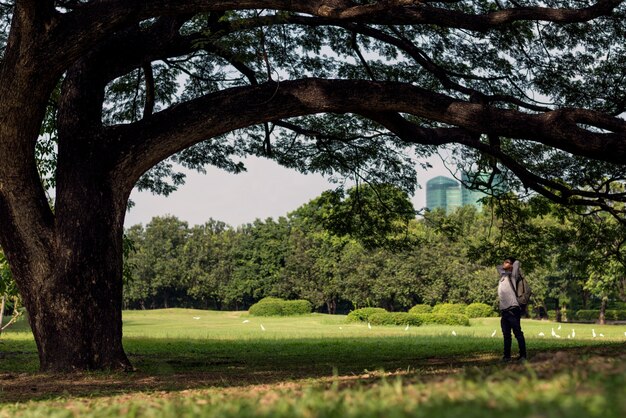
366	248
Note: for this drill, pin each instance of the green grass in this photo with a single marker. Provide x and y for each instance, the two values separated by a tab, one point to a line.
320	366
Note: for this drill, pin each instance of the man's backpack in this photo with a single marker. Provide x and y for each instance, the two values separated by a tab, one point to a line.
523	292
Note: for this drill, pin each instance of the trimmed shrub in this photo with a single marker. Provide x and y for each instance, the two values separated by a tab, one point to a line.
280	307
594	315
395	318
444	319
615	315
269	308
449	308
297	307
363	314
421	308
479	310
588	314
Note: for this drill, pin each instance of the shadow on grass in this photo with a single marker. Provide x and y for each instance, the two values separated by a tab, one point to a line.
178	364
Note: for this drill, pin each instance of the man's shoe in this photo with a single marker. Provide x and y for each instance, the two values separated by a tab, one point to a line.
505	360
521	359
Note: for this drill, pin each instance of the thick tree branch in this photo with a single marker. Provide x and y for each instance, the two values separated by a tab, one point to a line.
147	142
492	20
25	214
80	110
85	27
387	12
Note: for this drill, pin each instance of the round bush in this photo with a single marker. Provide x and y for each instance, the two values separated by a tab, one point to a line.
444	319
280	307
421	308
449	308
395	318
269	308
479	310
363	314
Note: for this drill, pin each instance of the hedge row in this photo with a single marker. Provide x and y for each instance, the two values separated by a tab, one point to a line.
280	307
444	319
407	318
594	314
473	310
396	318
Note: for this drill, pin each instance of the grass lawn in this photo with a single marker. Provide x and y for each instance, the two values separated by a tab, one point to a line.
204	363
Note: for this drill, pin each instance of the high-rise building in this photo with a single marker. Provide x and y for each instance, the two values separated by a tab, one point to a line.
469	196
448	194
443	192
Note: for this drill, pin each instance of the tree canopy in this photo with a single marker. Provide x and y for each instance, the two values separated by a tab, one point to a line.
342	87
100	96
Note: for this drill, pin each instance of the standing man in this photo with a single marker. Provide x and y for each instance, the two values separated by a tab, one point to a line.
510	309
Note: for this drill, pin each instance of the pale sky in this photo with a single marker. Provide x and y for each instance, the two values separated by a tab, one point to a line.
266	190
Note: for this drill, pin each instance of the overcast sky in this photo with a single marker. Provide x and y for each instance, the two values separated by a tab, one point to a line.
265	190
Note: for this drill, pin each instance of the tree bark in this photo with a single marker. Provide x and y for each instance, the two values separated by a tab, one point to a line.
75	302
77	325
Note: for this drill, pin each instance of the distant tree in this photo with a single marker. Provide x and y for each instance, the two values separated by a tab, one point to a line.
137	290
571	255
605	242
371	216
258	259
158	270
454	255
357	272
375	215
313	267
206	263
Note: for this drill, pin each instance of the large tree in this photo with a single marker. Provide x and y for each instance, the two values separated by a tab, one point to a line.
113	91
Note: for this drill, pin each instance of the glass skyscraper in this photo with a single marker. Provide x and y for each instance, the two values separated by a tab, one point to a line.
448	194
443	192
469	196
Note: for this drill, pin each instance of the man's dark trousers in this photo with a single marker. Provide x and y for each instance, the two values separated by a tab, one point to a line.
510	321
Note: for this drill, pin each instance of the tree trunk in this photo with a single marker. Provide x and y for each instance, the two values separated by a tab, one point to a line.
77	322
72	285
75	306
331	306
602	319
